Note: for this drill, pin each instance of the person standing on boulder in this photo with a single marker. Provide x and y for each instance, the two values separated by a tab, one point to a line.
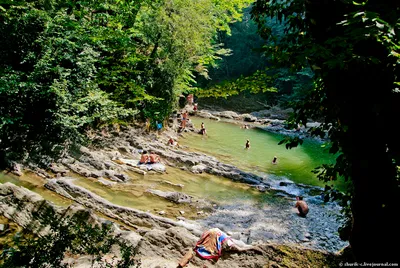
190	99
184	119
211	246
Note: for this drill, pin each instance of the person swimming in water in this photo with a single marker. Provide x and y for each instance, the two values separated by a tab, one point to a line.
274	161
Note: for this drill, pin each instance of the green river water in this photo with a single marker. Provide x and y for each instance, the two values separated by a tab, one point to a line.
36	184
226	141
133	193
201	186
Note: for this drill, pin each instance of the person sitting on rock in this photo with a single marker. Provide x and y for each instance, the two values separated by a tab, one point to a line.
171	142
154	158
144	158
302	206
211	246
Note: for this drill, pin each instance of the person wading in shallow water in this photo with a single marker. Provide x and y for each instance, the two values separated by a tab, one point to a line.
211	245
202	129
247	146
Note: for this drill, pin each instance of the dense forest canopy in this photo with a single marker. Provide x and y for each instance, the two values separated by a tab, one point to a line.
247	69
68	66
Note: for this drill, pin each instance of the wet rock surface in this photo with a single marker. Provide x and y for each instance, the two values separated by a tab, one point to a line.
130	216
278	222
154	247
175	197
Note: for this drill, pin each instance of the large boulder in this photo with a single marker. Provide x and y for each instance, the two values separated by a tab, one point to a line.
248	118
175	197
164	247
16	169
228	114
200	168
115	176
58	169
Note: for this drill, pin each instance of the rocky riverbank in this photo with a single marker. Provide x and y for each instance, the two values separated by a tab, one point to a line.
160	246
113	157
272	120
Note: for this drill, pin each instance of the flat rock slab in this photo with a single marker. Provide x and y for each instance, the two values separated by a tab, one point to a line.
158	167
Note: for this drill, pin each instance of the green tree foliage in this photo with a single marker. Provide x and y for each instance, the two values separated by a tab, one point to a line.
67	66
353	49
180	40
72	235
246	69
243	59
49	86
260	81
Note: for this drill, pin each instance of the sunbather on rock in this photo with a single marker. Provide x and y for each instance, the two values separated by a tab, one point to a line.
211	245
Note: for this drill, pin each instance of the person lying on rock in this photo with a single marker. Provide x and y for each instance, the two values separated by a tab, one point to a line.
302	206
211	245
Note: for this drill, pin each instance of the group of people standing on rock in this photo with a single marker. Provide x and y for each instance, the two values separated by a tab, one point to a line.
185	119
185	115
